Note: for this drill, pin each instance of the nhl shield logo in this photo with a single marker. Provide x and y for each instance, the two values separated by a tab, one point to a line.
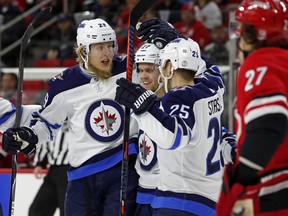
104	120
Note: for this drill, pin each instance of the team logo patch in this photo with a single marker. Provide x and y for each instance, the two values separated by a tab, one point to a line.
104	120
58	76
184	63
147	149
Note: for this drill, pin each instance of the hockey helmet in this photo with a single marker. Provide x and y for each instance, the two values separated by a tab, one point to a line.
147	53
269	17
182	53
94	31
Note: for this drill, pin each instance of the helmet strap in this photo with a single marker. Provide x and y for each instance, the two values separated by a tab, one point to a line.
166	78
160	84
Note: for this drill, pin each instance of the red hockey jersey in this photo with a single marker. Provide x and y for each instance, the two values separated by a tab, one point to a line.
262	89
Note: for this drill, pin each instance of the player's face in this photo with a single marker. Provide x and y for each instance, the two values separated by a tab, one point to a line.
101	56
148	76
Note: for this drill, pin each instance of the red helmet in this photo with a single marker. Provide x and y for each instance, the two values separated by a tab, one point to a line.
269	17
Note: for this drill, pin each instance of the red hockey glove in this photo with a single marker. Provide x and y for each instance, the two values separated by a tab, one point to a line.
233	191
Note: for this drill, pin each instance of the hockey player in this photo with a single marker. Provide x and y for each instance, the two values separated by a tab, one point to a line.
147	165
146	59
84	95
56	153
258	182
186	126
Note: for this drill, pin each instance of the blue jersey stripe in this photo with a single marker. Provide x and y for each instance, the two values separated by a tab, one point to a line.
99	166
177	139
7	115
191	206
145	197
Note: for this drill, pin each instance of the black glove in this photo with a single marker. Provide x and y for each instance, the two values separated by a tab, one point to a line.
134	96
19	139
158	32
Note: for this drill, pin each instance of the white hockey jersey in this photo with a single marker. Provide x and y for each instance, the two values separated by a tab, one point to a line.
95	118
148	169
189	144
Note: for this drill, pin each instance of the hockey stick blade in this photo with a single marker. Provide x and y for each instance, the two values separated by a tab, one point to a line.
24	42
137	12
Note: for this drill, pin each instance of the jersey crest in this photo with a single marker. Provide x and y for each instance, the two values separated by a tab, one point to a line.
148	150
58	76
104	120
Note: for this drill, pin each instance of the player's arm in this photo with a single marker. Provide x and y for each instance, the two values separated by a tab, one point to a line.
153	119
263	137
175	133
228	146
25	138
8	114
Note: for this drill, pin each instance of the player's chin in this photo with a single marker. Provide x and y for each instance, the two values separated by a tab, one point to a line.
146	86
106	67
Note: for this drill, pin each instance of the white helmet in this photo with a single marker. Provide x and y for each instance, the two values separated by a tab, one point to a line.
147	53
94	31
182	53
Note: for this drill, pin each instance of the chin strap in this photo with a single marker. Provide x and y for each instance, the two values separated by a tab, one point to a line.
166	78
160	84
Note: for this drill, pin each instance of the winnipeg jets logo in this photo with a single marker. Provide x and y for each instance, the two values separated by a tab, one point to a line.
144	150
104	120
147	150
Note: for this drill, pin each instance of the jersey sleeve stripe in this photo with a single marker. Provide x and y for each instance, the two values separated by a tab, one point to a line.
177	139
261	111
266	100
6	116
265	105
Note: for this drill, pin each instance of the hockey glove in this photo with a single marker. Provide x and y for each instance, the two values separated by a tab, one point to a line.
229	151
134	96
158	32
233	191
21	139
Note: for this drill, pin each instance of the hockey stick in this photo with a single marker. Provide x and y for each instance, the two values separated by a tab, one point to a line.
24	43
137	12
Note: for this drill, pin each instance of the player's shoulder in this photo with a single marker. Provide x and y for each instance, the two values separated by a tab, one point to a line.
181	94
267	56
68	79
119	65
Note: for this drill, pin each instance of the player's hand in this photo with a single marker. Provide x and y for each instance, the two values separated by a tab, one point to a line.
21	139
134	96
158	32
243	208
233	192
229	151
